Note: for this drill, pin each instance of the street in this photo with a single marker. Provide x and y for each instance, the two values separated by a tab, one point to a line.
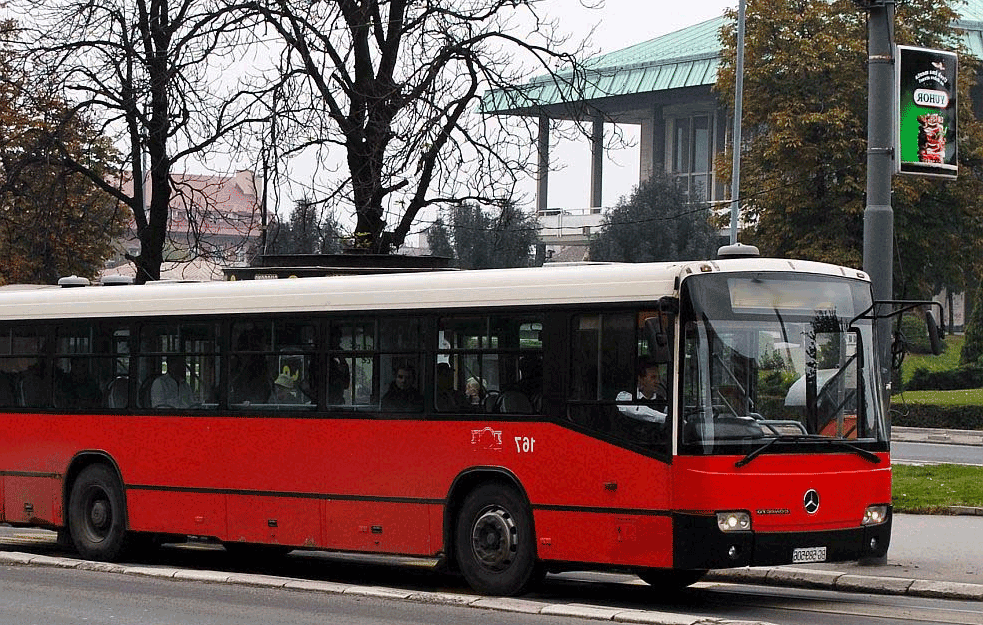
171	586
935	453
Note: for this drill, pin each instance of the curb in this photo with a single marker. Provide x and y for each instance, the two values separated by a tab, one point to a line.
500	604
845	582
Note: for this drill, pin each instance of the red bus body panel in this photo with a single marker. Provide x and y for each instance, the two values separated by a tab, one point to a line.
772	488
381	485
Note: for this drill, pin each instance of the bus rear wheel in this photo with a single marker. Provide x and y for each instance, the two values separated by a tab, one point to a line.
97	514
494	543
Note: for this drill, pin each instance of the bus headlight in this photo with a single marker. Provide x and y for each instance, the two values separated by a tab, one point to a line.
738	521
874	515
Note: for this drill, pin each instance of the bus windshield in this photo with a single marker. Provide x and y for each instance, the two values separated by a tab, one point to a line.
777	359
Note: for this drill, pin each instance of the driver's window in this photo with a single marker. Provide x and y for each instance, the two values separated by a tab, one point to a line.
620	377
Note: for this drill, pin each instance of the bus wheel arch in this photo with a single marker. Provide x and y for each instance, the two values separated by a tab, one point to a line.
490	533
95	507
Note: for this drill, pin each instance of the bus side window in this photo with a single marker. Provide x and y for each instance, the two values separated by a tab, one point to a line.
251	366
179	366
401	365
30	365
609	351
352	381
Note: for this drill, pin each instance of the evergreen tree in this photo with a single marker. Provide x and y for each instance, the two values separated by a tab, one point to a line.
439	239
972	350
479	240
305	231
656	223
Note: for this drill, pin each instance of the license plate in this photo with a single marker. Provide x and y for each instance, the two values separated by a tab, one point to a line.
809	554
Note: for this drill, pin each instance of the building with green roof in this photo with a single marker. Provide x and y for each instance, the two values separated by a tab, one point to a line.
663	85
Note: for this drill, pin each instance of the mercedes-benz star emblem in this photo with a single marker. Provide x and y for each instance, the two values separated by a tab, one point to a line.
811	501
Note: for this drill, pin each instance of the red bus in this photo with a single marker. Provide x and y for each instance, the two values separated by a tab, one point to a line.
660	418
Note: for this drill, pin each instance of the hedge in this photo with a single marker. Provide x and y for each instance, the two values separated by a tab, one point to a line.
932	416
949	380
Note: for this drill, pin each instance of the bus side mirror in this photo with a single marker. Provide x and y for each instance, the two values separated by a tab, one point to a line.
935	333
658	341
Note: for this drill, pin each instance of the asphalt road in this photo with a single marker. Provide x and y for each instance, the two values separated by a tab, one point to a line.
935	453
49	594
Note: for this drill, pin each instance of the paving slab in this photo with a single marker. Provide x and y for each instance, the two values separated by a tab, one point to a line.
947	590
580	610
878	585
508	604
195	575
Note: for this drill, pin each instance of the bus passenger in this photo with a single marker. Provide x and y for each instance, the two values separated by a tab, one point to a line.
651	388
474	391
402	395
446	397
171	390
285	389
339	379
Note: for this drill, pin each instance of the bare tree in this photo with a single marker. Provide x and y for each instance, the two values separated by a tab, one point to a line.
150	72
396	85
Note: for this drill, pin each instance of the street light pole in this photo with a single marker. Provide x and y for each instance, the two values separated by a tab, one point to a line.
735	179
878	214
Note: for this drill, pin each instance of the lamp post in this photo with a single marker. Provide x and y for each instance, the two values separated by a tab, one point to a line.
878	214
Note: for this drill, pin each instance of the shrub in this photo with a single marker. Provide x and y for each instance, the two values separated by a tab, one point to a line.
962	377
915	332
932	416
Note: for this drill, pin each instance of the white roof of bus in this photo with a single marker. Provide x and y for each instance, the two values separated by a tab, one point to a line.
540	286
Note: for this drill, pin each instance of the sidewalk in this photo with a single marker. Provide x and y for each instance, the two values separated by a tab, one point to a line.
928	435
930	556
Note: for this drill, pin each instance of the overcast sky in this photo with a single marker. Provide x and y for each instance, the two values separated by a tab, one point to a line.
619	24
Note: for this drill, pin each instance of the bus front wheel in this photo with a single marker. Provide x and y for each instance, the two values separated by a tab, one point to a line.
97	514
494	542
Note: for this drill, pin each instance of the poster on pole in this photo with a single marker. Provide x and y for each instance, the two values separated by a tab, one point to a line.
925	137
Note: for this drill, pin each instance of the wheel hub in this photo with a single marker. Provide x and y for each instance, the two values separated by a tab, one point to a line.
99	515
494	539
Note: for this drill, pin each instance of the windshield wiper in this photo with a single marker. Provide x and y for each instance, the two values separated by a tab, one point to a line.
795	438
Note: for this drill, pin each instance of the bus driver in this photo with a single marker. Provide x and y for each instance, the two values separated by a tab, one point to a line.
651	388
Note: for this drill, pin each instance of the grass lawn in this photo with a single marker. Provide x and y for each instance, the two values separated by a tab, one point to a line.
932	488
961	397
949	359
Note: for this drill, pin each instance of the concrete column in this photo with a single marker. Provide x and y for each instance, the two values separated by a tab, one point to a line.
543	177
597	161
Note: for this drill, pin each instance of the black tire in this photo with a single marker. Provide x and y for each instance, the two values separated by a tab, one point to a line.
669	580
495	543
97	514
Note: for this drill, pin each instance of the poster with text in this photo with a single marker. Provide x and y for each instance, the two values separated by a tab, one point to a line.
926	116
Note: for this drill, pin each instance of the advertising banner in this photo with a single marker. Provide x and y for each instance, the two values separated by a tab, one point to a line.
925	141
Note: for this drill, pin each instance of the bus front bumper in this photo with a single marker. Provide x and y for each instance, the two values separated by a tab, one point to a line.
699	544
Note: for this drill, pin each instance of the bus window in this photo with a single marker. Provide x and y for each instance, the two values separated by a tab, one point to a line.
352	382
273	365
401	364
178	366
24	377
90	370
297	380
617	386
496	360
251	364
